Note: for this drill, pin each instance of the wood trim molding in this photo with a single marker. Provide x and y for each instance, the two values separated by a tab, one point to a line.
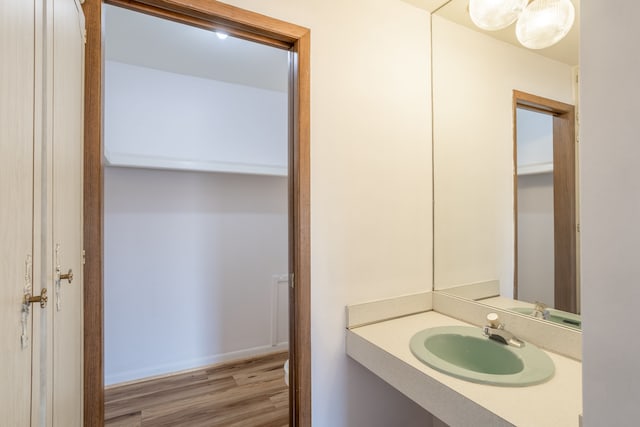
208	14
93	400
564	206
540	104
300	325
214	15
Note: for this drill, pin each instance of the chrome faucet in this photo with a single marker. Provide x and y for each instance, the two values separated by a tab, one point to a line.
540	311
495	330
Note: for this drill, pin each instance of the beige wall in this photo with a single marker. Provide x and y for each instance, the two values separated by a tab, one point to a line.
610	183
474	77
370	185
349	113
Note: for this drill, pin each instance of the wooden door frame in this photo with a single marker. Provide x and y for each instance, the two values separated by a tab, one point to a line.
564	196
208	14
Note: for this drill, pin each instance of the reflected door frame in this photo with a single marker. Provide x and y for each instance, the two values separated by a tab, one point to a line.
564	196
210	15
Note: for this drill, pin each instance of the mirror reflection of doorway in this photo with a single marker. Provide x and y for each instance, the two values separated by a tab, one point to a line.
545	202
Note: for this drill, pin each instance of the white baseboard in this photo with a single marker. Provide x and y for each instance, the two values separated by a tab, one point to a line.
185	365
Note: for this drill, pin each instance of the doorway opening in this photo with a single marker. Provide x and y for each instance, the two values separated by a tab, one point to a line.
195	224
250	26
545	200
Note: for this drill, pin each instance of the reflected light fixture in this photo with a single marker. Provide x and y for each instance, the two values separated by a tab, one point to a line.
221	35
541	23
493	15
544	23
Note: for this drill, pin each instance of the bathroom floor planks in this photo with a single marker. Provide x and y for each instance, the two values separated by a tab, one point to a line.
247	393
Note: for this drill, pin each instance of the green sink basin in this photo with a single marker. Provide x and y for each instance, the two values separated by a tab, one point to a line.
556	316
463	352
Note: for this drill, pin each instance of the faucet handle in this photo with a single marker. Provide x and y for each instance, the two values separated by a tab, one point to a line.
494	320
540	311
539	306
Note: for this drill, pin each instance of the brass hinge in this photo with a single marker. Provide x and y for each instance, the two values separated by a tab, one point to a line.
41	299
292	280
84	257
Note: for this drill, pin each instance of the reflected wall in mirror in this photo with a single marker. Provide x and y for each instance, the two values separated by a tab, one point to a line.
476	79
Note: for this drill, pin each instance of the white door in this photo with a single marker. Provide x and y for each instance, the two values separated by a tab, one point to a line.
16	208
66	304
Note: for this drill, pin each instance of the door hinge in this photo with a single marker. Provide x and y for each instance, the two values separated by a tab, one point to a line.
578	227
84	257
41	299
292	280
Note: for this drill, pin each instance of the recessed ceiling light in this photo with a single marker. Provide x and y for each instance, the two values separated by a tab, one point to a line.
221	35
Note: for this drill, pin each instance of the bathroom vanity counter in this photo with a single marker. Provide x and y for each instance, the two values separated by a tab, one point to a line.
383	348
506	303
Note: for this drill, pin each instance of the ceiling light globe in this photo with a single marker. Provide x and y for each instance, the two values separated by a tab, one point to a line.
492	15
544	23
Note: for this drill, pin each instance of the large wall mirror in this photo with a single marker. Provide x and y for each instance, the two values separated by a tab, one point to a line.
505	167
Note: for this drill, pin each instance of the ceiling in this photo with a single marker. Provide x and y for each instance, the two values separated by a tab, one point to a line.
139	39
429	5
567	50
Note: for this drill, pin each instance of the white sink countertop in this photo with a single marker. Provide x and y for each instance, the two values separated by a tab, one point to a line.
384	349
505	303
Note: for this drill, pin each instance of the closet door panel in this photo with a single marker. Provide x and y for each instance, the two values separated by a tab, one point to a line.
68	81
16	207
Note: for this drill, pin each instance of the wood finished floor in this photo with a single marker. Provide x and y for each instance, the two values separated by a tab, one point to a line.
247	393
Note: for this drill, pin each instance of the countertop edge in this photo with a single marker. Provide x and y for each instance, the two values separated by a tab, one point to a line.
435	397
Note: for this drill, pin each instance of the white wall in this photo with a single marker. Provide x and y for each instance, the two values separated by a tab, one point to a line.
370	186
203	247
535	137
610	183
189	265
195	121
474	78
536	272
